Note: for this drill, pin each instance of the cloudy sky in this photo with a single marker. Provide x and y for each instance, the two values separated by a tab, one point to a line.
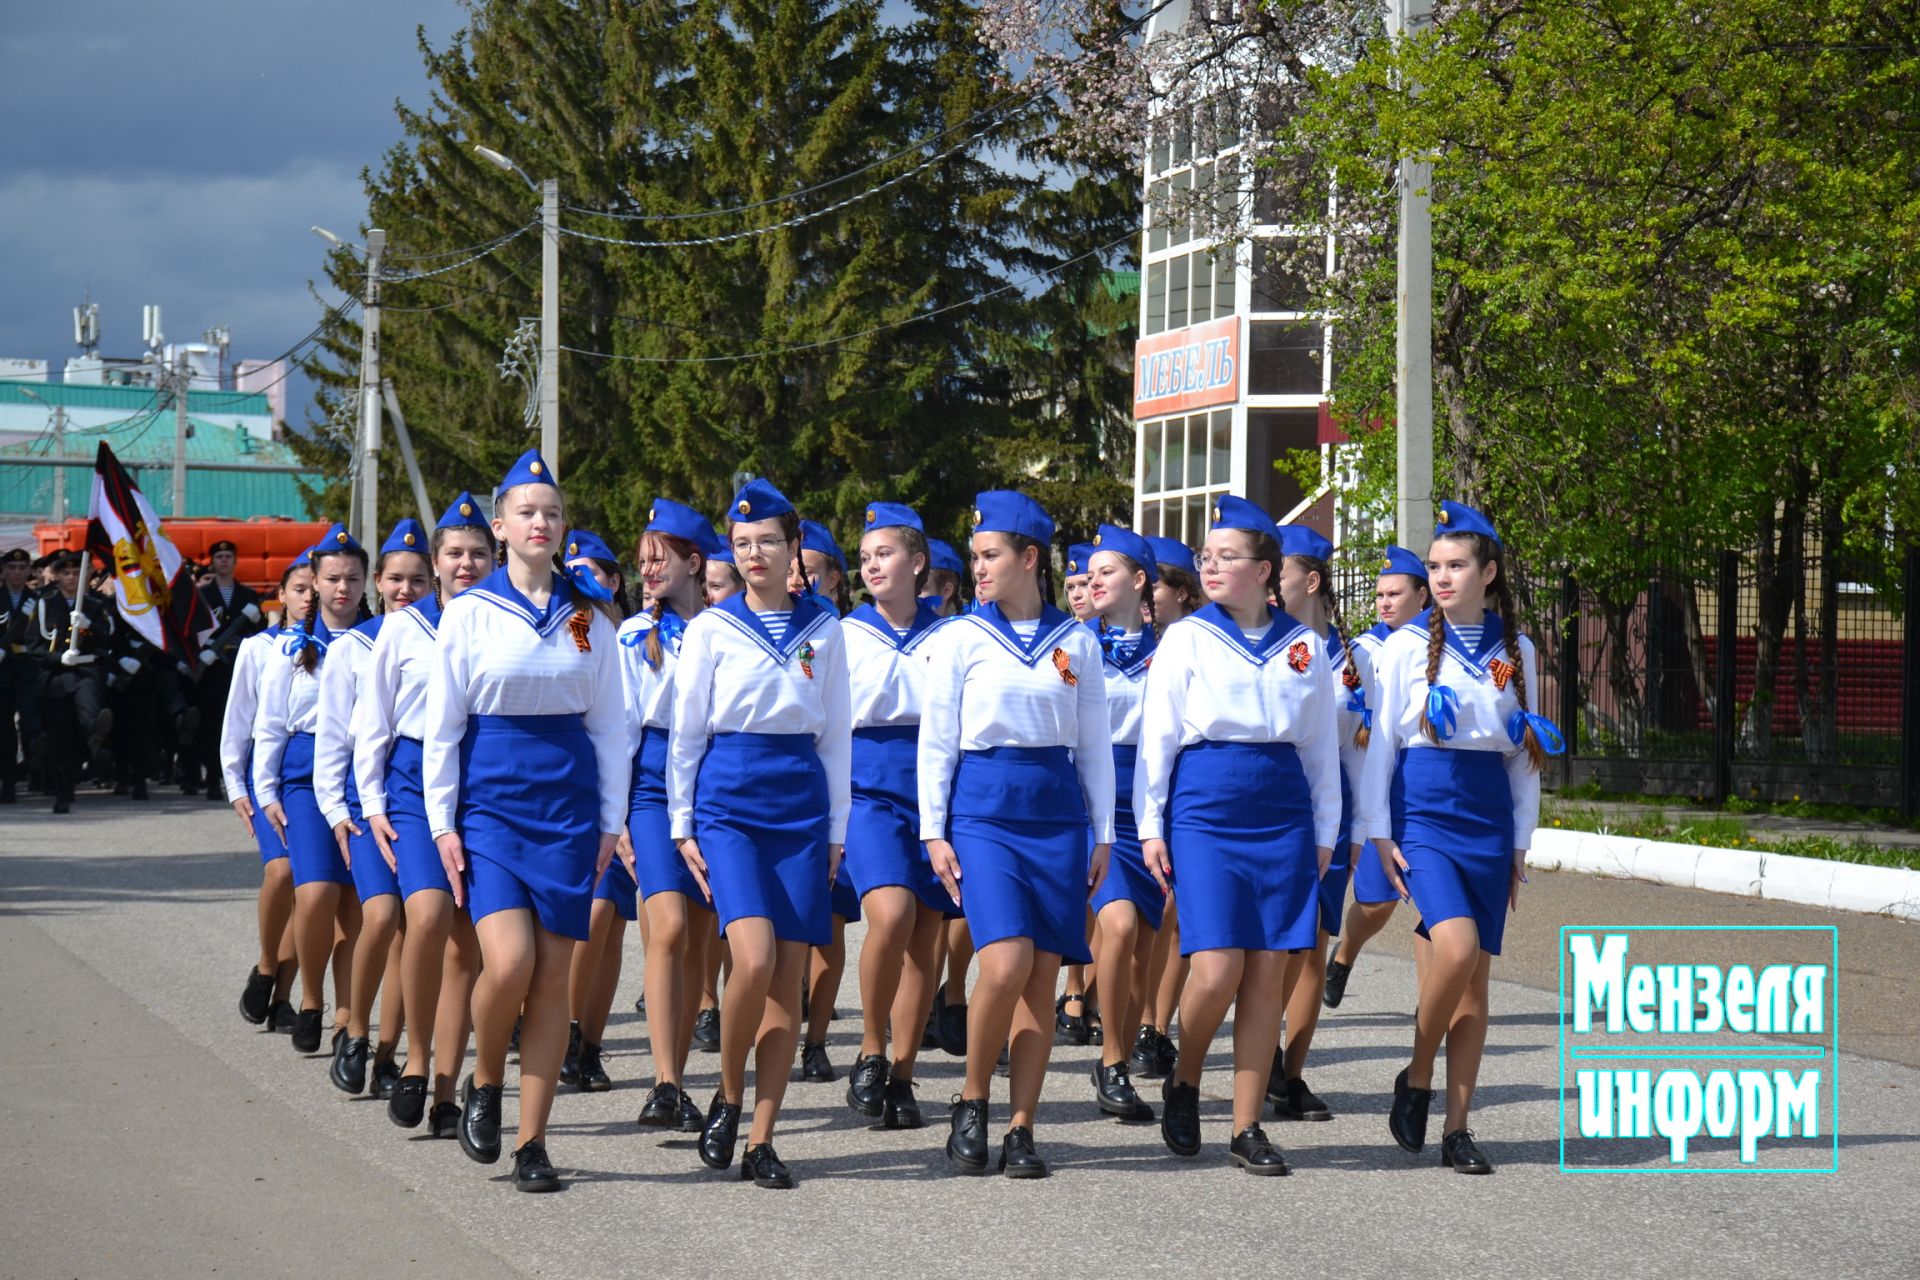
177	154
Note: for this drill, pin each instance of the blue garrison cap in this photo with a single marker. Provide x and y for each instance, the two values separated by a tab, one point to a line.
892	515
1077	557
1458	517
1230	512
584	543
1010	511
335	539
678	520
1401	560
944	557
1174	552
531	468
1111	537
816	537
1299	540
463	514
758	500
407	535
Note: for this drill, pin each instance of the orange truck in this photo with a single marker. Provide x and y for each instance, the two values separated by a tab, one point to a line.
264	545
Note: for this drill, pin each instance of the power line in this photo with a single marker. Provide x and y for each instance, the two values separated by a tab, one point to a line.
481	251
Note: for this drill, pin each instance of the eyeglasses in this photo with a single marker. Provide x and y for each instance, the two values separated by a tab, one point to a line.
1225	560
768	546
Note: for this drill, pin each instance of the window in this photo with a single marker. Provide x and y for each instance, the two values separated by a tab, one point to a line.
1271	434
1157	161
1183	137
1281	277
1286	191
1180	210
1156	317
1284	358
1158	216
1200	288
1177	291
1223	282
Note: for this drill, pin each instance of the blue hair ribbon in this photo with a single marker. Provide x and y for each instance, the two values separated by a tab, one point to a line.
585	583
1543	729
1357	704
1442	707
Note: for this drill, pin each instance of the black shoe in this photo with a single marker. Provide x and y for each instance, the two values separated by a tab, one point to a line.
763	1167
720	1133
1070	1028
640	1005
63	806
257	999
282	1017
1004	1067
480	1123
217	793
929	1039
1458	1153
1144	1061
953	1027
1018	1159
102	730
1277	1079
661	1110
814	1066
570	1065
1337	975
1113	1089
409	1102
8	794
867	1084
1096	1028
1252	1152
1180	1121
349	1069
532	1171
140	791
691	1121
1407	1121
706	1030
385	1077
306	1031
593	1076
1166	1053
1301	1103
900	1111
444	1120
967	1143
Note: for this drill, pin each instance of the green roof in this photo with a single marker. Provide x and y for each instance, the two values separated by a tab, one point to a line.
130	400
145	446
1123	284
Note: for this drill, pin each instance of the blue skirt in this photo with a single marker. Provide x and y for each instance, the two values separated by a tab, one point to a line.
1025	876
619	888
270	846
372	877
883	829
1333	885
413	847
1128	879
843	898
310	843
655	856
529	818
760	815
1453	819
1240	831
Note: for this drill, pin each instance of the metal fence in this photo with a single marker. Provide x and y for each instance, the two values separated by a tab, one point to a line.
1699	675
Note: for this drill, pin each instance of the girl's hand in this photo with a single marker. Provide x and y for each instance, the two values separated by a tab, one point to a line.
946	865
453	860
277	819
1097	869
341	829
383	837
625	850
1154	853
609	843
243	809
1324	857
836	855
1518	878
696	863
1393	864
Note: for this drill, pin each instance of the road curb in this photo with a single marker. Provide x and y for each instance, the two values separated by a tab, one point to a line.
1749	873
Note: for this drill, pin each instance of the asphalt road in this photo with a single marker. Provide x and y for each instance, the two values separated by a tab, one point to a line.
151	1132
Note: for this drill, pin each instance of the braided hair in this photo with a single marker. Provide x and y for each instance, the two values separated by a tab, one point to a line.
1486	551
1330	603
686	551
308	659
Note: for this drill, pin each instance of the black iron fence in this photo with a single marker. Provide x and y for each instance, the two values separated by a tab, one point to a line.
1714	675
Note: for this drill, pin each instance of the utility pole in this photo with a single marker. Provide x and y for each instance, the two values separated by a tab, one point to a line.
1413	344
550	324
59	473
370	398
182	376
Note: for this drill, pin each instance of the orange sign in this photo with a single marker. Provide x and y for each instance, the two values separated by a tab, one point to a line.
1187	368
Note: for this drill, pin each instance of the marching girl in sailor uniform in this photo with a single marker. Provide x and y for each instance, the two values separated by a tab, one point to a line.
1015	762
1306	593
1128	906
946	592
595	972
1075	581
1237	795
1081	1026
524	768
283	782
441	957
946	579
401	576
824	571
723	576
1399	596
1176	593
264	999
1450	796
903	902
758	781
676	552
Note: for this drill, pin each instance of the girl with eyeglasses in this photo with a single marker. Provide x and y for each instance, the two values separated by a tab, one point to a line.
441	958
676	558
401	576
1450	795
524	767
1015	761
1238	801
758	768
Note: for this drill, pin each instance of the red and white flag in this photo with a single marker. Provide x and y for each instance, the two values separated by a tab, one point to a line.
151	585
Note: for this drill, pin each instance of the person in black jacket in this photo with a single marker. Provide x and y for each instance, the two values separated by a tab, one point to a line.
74	650
19	670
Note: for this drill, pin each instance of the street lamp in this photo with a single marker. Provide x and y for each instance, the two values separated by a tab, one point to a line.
549	303
369	384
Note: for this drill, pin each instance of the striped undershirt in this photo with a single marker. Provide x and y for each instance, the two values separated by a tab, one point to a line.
1470	635
776	622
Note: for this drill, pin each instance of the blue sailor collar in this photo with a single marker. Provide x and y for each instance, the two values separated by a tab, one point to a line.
426	612
369	630
497	589
1128	658
1053	624
870	617
809	615
1336	646
1283	628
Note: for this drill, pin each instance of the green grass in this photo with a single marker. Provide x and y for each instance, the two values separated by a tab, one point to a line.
1721	832
1794	808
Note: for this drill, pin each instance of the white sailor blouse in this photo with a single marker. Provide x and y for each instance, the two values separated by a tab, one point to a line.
1210	683
289	703
649	689
496	657
342	682
393	696
243	701
1125	661
1356	698
886	671
1474	705
733	677
988	687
